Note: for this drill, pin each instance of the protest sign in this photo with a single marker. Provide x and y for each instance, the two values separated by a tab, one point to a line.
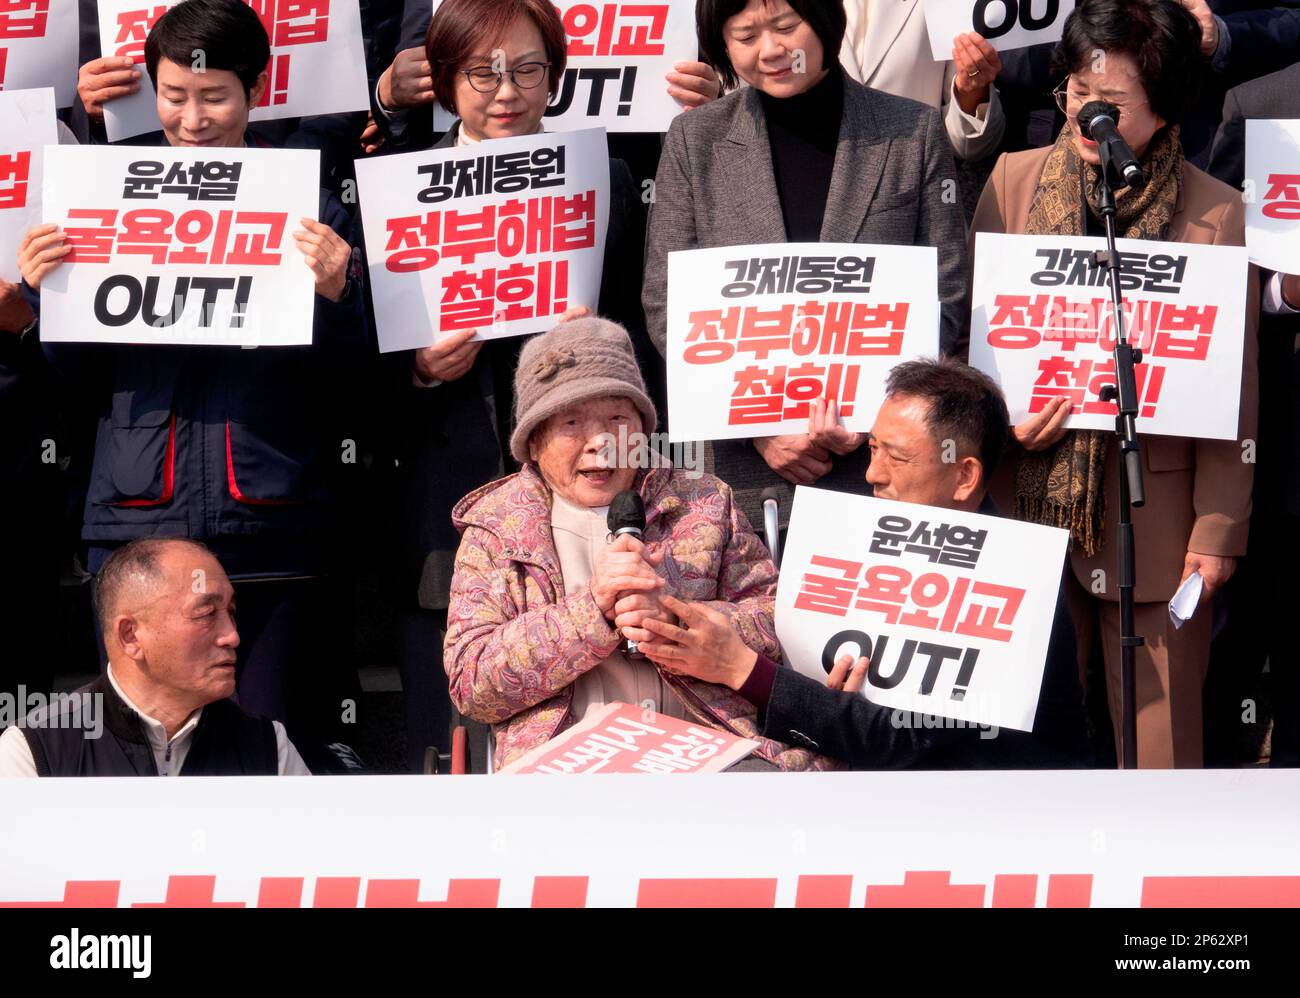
618	56
954	609
516	235
755	333
1153	838
38	47
175	245
622	738
317	65
1273	194
1004	24
26	127
1041	327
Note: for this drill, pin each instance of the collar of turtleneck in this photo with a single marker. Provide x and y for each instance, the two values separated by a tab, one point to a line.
813	115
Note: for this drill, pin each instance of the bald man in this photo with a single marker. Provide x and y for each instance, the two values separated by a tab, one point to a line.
163	707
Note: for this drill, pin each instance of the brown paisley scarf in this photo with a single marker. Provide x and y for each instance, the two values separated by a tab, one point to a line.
1062	486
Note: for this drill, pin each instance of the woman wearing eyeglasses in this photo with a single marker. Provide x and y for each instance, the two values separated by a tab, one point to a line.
494	64
1143	57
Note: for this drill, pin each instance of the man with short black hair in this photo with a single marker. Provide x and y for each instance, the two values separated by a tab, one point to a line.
927	404
163	707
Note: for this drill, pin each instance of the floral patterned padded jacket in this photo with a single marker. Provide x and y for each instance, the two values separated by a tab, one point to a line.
516	642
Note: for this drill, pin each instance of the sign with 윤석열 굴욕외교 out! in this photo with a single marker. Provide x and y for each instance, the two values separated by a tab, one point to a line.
180	245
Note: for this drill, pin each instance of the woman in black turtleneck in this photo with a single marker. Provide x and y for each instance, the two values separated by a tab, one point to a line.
800	156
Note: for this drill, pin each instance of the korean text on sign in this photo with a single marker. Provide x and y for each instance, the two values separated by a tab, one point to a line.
622	738
617	57
27	125
1272	193
317	61
38	47
1042	326
953	609
756	333
181	246
500	243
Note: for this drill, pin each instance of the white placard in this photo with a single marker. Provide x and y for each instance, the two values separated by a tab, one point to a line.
150	227
1005	24
922	839
618	57
1273	185
1041	327
954	609
26	127
755	333
500	237
38	47
317	65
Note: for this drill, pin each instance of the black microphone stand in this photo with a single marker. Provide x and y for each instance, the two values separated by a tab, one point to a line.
1131	491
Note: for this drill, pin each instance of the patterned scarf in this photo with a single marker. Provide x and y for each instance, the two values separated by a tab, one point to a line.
1062	486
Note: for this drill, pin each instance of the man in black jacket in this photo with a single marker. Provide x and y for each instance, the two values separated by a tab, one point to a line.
163	707
927	403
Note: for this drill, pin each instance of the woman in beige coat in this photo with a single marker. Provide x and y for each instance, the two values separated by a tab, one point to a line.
1142	56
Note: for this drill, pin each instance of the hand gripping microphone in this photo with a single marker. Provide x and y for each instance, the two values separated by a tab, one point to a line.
1099	121
627	516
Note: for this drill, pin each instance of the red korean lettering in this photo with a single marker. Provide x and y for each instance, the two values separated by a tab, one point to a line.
23	19
1283	197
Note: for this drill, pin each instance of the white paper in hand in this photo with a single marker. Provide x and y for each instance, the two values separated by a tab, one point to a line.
1184	603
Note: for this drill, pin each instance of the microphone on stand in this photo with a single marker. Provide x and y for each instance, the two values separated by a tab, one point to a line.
627	516
1099	121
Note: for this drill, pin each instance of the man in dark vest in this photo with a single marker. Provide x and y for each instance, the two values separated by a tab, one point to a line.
162	707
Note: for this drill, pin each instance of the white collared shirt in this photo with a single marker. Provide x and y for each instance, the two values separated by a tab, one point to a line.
168	753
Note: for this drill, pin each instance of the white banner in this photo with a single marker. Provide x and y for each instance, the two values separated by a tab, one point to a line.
38	46
1146	838
618	57
317	66
1041	328
172	245
26	127
1005	24
516	235
954	609
755	333
1273	184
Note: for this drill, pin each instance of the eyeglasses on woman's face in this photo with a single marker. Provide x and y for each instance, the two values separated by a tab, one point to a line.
526	76
1070	98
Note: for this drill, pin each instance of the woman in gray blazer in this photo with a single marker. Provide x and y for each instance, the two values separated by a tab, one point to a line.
801	154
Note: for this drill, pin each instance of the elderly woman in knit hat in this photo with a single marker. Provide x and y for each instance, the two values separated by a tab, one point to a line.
540	596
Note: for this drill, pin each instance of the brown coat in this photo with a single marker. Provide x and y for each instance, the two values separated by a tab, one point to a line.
1198	491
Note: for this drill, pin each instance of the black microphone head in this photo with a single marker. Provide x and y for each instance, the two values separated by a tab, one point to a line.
626	512
1093	110
773	493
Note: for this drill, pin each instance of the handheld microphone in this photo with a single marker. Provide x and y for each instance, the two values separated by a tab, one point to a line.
772	522
627	516
1099	121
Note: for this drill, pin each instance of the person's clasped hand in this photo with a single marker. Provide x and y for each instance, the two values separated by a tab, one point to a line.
1043	429
102	80
692	84
825	431
848	675
794	457
703	644
622	568
408	82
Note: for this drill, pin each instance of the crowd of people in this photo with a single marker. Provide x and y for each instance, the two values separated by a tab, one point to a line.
480	495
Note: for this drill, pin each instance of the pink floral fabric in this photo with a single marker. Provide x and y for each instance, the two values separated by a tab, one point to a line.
516	641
